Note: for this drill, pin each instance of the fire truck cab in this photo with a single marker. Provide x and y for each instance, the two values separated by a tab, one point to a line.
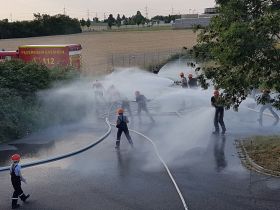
8	55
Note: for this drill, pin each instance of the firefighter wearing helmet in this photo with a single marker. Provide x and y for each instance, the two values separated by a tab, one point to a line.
121	124
16	179
219	113
141	101
183	82
192	81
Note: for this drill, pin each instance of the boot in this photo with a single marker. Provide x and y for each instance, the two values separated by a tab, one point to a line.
131	143
224	131
24	197
15	205
117	144
216	132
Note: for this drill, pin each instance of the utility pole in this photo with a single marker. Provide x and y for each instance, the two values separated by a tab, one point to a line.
172	11
146	11
88	14
11	17
104	16
64	10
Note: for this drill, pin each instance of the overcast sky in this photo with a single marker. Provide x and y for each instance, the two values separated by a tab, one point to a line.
24	9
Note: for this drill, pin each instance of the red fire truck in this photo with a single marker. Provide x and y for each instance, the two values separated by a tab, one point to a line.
50	55
8	55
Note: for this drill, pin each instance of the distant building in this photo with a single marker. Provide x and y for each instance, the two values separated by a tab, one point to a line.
189	16
212	10
191	20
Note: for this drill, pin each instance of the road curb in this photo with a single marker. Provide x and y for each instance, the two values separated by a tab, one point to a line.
251	164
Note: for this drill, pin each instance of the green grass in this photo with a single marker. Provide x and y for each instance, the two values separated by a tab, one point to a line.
265	151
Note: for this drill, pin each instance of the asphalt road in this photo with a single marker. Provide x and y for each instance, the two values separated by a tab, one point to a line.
206	168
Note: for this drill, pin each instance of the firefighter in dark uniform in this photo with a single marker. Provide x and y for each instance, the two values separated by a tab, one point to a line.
17	178
183	82
121	124
192	81
141	101
219	113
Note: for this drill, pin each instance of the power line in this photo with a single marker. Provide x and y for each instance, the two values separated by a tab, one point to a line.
88	14
146	11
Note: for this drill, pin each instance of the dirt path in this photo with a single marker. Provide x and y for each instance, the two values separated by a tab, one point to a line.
98	46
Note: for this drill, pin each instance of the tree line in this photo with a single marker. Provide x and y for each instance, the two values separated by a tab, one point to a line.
46	25
41	25
137	19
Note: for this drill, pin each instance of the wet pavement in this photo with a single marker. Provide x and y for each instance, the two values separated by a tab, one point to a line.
53	141
206	167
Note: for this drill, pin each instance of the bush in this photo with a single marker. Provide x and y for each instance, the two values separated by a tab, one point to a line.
20	111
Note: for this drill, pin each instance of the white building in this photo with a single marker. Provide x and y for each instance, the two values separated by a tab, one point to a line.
192	20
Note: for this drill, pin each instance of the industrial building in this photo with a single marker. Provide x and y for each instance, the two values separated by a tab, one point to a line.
191	20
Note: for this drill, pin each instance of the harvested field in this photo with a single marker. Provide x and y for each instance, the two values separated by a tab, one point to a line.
99	46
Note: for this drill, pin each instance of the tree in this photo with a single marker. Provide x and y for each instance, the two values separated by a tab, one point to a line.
241	41
95	20
139	18
111	21
88	23
83	22
119	21
166	19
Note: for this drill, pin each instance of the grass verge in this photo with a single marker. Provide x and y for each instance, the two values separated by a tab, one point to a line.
264	151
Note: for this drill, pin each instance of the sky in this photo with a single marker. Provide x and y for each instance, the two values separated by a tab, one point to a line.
24	9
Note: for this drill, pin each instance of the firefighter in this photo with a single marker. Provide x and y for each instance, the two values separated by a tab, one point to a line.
219	113
126	106
121	124
192	81
141	101
113	94
267	105
98	95
98	89
183	82
17	178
